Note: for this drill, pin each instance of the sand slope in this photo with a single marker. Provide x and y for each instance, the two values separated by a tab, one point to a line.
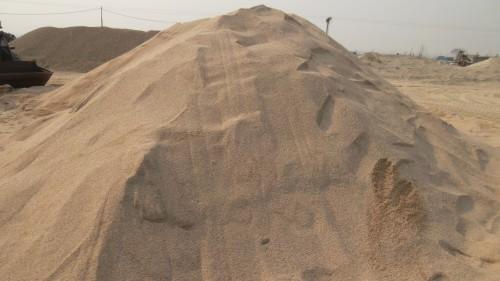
250	147
468	98
78	49
486	70
472	107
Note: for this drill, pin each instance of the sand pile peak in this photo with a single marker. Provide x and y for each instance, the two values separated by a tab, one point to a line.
244	147
78	48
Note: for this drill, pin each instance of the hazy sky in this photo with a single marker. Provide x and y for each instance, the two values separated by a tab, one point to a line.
363	25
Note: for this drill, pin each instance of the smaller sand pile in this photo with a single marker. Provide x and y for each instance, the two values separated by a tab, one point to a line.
403	67
488	70
371	58
78	49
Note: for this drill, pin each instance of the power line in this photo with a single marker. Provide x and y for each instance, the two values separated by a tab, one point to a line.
147	10
358	20
36	3
50	14
136	18
101	9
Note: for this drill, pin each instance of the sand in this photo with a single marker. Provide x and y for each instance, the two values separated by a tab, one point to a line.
243	147
402	67
16	104
473	108
77	49
468	98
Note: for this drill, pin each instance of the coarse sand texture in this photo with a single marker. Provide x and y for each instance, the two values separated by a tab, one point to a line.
248	146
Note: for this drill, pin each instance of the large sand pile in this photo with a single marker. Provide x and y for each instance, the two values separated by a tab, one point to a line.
78	49
243	147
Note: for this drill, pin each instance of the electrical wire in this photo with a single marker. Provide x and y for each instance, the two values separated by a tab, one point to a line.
85	11
136	18
357	20
45	3
50	14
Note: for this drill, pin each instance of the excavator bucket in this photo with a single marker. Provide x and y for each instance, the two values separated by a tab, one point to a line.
18	73
23	74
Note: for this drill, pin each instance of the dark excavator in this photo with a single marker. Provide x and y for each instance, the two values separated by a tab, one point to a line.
18	73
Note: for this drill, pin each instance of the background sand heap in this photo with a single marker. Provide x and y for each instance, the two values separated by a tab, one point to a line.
415	68
468	98
77	49
486	70
244	147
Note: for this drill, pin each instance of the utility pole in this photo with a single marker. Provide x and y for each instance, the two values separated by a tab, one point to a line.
102	21
421	51
328	20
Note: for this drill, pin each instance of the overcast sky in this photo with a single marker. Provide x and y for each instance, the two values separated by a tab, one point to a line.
364	25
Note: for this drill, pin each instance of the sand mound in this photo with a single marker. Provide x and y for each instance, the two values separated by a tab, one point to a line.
493	63
243	147
78	49
403	67
371	58
488	70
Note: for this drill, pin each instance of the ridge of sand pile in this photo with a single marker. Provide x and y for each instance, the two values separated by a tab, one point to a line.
243	147
78	49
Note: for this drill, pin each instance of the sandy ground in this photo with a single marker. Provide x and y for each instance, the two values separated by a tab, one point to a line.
473	107
16	104
468	98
